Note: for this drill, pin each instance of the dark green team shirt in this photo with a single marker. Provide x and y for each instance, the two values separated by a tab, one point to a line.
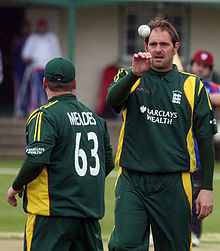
73	144
160	116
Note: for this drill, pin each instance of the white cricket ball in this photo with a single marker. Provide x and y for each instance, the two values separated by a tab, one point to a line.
144	31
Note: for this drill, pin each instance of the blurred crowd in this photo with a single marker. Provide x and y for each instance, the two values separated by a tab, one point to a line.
30	52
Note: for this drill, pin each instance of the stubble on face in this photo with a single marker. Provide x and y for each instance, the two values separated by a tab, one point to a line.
162	50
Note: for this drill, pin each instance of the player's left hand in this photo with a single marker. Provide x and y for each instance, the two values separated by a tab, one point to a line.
11	196
204	204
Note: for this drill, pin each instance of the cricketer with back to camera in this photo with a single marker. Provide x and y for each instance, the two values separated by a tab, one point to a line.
68	156
162	109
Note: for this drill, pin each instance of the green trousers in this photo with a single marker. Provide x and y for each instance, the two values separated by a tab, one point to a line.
162	201
45	233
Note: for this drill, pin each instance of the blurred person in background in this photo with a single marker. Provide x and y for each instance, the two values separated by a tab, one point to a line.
103	109
39	49
202	65
20	100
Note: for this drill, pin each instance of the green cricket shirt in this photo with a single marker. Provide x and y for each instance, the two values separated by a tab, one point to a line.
160	116
73	143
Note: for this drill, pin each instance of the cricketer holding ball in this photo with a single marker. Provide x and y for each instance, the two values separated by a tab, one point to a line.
68	156
162	109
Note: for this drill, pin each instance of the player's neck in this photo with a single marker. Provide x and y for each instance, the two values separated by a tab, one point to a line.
51	94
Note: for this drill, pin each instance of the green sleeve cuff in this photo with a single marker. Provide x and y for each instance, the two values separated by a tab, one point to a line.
28	172
207	160
119	92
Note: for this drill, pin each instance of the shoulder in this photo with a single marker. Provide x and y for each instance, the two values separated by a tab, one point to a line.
190	78
121	73
187	74
124	70
44	110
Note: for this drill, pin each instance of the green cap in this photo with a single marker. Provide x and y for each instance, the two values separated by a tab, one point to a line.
62	67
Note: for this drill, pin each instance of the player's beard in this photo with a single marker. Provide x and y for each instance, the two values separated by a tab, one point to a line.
166	63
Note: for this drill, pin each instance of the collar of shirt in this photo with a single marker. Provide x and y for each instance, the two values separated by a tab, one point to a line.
169	76
62	97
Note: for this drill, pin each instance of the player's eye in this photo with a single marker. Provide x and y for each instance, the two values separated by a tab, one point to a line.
164	44
153	44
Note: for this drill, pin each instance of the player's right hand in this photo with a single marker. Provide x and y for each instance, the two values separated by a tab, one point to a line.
11	196
141	63
204	203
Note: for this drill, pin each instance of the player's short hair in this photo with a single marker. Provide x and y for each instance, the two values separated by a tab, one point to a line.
59	86
163	24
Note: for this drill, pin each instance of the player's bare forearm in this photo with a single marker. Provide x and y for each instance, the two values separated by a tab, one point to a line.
204	203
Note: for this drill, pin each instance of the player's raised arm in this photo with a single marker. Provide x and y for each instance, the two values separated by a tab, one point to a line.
124	80
119	90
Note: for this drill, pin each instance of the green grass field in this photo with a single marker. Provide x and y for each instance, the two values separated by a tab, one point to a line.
13	219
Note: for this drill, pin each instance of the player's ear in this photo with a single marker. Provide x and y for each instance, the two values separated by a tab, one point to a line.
44	83
145	46
74	84
176	47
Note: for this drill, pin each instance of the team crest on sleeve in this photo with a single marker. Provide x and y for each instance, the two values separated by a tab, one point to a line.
177	95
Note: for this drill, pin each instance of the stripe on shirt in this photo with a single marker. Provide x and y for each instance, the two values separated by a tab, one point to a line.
29	230
135	85
38	201
121	138
189	90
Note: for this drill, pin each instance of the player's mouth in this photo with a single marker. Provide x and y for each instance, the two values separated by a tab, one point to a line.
158	58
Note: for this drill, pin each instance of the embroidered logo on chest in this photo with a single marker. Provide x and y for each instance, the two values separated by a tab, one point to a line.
177	95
